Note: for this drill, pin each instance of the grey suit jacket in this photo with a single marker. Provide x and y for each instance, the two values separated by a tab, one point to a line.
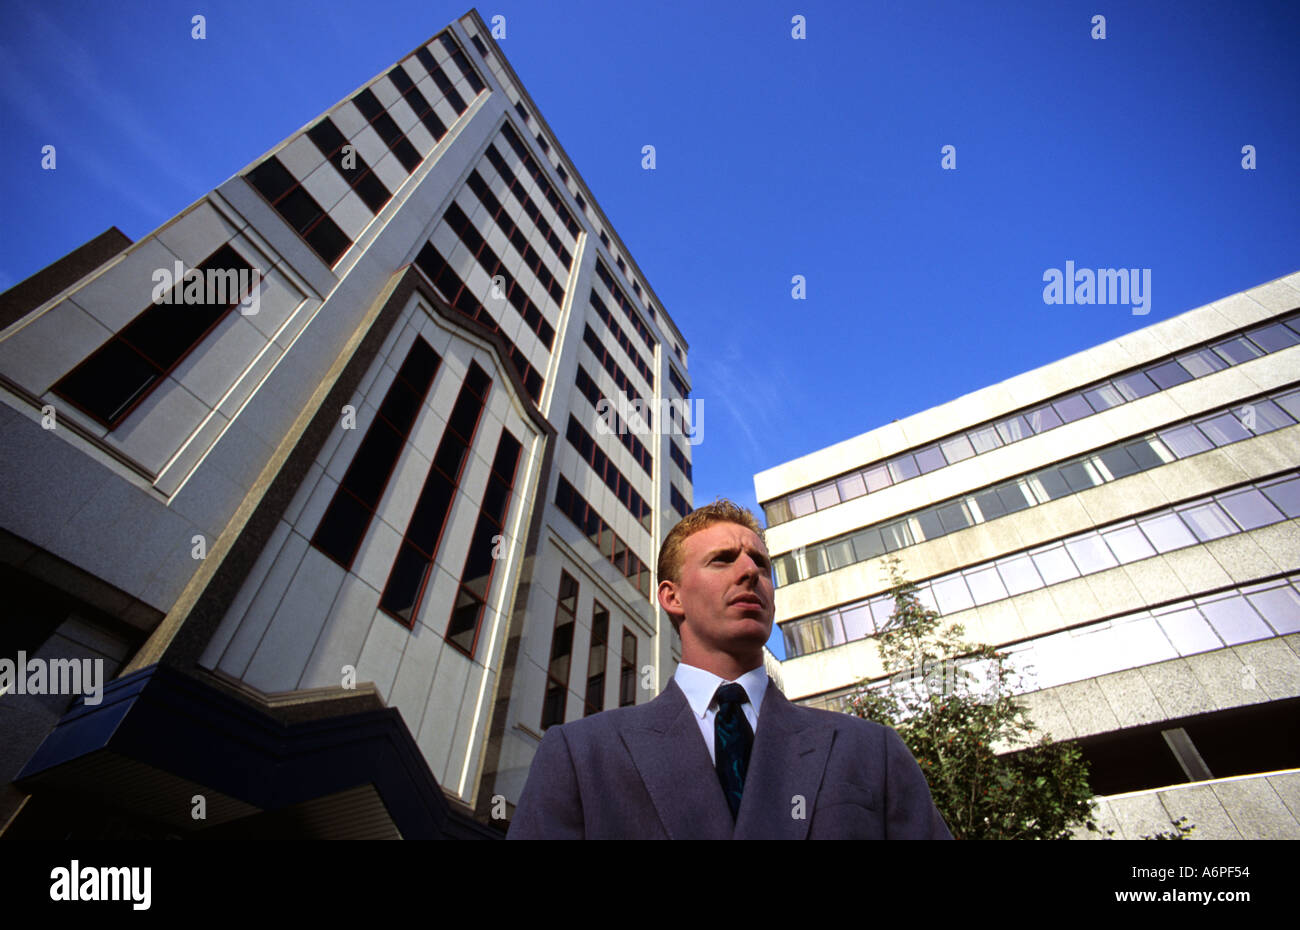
644	773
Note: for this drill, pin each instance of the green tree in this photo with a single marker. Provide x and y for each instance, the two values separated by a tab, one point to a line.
953	703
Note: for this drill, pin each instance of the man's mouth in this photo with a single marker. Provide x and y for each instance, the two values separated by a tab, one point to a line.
749	600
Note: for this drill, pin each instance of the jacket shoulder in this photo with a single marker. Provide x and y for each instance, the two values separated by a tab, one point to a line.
601	725
857	727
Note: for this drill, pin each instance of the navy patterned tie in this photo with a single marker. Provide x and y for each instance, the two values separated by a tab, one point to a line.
732	740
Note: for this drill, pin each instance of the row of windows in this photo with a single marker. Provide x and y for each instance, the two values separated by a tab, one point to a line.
590	390
480	561
624	304
636	285
458	57
517	189
564	175
558	669
610	364
676	381
356	500
354	170
420	104
532	259
678	456
299	209
603	312
543	183
1177	441
387	129
121	373
491	263
576	508
608	472
1158	376
453	290
419	549
582	205
1197	521
678	501
553	198
1244	614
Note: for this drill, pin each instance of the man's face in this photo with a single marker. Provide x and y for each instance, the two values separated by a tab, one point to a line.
725	590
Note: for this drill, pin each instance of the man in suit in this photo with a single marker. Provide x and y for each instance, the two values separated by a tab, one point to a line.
721	753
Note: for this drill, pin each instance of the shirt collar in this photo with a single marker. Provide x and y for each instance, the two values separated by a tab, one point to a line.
699	687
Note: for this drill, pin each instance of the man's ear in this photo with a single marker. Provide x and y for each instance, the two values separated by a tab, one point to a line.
670	600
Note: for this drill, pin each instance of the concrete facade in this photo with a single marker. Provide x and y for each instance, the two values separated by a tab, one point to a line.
183	527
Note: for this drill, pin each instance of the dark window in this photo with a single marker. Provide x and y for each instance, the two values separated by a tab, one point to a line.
401	80
597	655
557	672
627	677
299	209
484	547
401	597
111	382
271	178
368	104
349	512
372	191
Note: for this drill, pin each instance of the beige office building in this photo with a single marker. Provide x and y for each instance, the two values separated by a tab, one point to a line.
1124	523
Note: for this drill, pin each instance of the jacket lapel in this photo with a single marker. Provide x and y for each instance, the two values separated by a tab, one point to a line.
673	762
786	764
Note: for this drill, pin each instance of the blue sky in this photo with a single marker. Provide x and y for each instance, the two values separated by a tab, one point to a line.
775	157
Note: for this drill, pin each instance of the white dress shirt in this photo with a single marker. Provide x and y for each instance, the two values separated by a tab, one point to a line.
700	687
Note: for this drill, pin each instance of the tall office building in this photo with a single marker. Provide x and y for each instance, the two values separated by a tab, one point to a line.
338	477
1123	522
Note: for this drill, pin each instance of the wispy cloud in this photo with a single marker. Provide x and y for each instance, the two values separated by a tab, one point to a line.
747	395
74	91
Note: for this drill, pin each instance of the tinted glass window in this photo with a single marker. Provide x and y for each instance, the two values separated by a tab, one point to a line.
956	449
1072	408
985	439
1208	521
1273	338
1185	440
1167	532
1286	496
108	382
368	473
1168	374
1237	350
1090	554
930	458
1202	362
1250	509
1223	429
1043	419
1135	385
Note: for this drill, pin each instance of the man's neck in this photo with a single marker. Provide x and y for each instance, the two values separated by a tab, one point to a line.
727	667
